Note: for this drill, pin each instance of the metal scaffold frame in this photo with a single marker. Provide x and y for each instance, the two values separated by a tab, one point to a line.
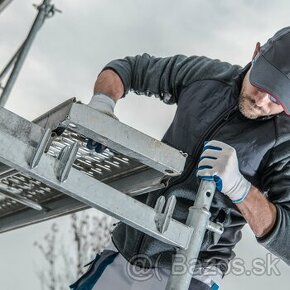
47	171
3	4
34	150
45	10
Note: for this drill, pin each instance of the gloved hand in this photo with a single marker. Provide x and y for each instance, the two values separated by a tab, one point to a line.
219	163
106	105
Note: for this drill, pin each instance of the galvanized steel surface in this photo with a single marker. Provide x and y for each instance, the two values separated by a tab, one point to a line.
104	167
70	124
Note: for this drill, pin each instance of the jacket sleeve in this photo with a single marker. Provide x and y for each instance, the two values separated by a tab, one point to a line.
276	181
165	77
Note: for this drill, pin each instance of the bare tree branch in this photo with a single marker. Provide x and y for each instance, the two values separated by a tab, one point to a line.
64	263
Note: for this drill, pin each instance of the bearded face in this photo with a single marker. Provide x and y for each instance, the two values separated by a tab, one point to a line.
254	103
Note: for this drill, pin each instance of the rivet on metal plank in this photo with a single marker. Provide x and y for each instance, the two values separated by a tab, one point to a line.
162	219
66	160
42	146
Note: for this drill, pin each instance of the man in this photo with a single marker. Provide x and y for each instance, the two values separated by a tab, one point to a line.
233	124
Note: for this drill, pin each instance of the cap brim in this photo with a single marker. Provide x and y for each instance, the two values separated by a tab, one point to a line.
268	78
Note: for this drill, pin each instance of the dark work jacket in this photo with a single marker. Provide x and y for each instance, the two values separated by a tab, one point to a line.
206	93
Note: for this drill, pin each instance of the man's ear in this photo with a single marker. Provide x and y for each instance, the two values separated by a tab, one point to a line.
257	50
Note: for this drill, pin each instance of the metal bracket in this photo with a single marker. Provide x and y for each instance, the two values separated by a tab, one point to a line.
218	230
162	219
42	146
66	160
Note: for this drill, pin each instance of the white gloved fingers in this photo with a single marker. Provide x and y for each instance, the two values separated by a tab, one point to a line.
206	162
223	152
219	161
206	171
102	103
208	159
218	149
206	167
210	154
217	144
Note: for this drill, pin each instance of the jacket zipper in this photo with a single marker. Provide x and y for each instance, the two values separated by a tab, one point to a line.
210	132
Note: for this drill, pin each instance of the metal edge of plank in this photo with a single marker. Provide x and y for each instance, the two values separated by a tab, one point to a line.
125	139
86	121
63	205
50	119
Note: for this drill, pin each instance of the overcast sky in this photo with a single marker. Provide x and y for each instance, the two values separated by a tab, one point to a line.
72	47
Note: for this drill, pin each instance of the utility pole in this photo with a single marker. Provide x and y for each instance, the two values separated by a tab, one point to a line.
45	10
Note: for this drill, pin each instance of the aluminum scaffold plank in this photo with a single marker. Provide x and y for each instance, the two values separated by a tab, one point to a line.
20	144
47	171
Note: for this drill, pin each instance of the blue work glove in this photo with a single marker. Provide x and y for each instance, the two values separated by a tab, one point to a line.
219	163
93	145
106	105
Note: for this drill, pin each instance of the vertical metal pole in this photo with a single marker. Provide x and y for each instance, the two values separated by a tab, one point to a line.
44	9
3	4
198	218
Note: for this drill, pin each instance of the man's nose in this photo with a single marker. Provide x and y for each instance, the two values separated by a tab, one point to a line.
262	99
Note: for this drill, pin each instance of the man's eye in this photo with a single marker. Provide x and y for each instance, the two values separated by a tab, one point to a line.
273	100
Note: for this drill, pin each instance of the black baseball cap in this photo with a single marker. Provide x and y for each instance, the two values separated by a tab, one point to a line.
270	70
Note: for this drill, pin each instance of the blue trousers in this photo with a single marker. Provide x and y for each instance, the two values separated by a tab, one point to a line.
110	270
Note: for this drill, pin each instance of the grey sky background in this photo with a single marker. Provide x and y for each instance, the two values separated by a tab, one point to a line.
72	48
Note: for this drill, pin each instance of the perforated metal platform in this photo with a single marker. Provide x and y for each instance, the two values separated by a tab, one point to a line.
25	200
105	167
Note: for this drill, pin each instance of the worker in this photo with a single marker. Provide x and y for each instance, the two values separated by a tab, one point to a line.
234	124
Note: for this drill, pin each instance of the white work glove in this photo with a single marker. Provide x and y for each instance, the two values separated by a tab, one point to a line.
103	103
219	163
106	105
